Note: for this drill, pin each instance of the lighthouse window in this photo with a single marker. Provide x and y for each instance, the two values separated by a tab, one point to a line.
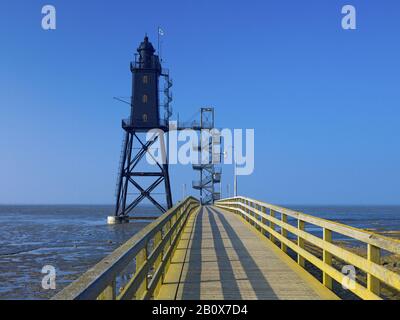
145	79
145	98
144	117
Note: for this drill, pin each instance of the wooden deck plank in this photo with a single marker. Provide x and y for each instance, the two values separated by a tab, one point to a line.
221	257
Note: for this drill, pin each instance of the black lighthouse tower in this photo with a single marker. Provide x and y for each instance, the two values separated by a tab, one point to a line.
145	115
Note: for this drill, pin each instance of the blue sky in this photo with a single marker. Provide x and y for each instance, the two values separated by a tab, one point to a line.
324	102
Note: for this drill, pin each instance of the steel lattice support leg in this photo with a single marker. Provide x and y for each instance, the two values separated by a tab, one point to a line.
128	174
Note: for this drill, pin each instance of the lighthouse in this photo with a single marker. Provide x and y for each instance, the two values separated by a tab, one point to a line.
145	115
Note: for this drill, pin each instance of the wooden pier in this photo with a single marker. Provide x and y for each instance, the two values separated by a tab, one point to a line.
238	249
220	257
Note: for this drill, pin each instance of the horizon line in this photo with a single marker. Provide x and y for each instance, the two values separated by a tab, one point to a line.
280	205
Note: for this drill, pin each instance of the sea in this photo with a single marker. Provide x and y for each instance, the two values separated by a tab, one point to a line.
73	238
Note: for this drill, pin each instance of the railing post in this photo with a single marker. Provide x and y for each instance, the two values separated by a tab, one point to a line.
374	255
157	263
327	258
284	232
255	216
272	225
109	293
247	211
258	218
252	214
157	241
168	244
170	240
169	226
173	220
300	243
141	259
264	221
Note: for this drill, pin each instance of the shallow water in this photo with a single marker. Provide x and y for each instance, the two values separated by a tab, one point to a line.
70	238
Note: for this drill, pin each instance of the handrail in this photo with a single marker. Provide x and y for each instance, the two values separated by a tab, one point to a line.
263	216
150	250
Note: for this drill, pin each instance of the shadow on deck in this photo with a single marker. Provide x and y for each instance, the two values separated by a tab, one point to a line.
220	257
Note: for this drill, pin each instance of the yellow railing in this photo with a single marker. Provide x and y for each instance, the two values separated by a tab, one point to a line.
142	262
263	216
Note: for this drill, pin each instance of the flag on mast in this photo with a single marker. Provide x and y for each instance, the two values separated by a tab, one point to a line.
160	31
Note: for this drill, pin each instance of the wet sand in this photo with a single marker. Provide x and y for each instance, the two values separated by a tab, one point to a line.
72	239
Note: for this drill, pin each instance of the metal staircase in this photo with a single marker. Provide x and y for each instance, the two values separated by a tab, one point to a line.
209	158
